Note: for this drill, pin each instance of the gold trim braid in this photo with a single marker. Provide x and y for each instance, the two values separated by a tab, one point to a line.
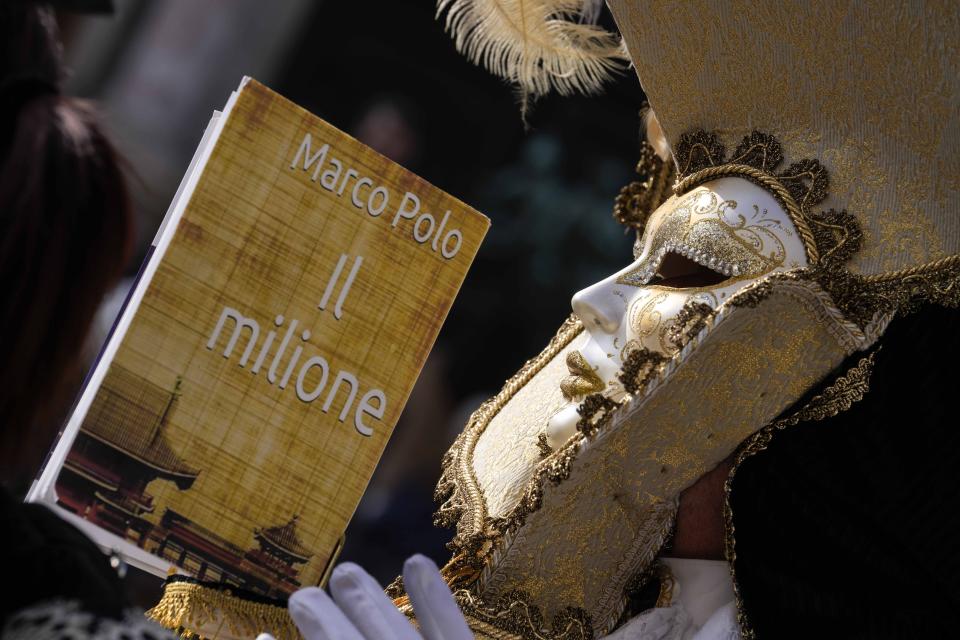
513	614
194	610
838	397
636	201
458	491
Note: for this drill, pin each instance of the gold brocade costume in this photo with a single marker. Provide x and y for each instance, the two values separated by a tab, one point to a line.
848	115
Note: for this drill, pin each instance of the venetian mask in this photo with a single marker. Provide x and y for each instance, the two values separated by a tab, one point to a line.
564	487
696	249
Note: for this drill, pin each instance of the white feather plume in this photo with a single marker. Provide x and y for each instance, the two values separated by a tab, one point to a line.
539	45
591	11
655	135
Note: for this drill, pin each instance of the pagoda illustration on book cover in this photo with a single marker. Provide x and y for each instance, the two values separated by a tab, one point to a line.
120	449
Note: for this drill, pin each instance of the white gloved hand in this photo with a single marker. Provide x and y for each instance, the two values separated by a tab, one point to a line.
359	609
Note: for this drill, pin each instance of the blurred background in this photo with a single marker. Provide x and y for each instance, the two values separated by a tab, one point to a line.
388	74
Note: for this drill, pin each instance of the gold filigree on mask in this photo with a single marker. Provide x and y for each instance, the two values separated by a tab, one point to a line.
646	320
582	380
702	157
830	237
713	233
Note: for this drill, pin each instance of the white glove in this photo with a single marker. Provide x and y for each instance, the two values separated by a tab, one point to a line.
359	610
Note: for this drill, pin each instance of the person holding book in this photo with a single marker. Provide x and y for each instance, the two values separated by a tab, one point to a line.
67	234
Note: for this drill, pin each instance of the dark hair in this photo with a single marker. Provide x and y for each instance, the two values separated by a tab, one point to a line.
66	229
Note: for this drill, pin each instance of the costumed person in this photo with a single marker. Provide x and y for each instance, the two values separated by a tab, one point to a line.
67	232
769	380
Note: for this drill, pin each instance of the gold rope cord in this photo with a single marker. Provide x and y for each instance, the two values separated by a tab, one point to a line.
919	270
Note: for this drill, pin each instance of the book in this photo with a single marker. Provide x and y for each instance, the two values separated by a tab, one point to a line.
262	359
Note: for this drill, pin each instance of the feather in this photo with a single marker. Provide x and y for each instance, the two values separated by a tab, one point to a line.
655	135
539	45
591	11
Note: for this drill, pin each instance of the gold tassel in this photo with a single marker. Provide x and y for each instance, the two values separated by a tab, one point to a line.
195	610
539	45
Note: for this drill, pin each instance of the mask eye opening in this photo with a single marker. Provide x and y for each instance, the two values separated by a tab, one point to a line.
680	272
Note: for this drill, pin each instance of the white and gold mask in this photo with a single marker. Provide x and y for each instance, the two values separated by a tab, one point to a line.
699	248
564	486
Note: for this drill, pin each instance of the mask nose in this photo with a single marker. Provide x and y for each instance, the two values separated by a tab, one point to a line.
598	307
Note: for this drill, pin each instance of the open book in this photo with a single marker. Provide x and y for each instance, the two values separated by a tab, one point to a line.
237	412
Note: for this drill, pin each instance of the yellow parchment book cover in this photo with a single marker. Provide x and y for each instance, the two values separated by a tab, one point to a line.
240	414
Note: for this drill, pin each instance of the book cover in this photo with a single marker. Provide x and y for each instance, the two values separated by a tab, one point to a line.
258	370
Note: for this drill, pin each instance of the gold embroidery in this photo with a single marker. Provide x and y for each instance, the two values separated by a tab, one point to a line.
595	411
838	397
689	321
828	83
639	367
542	445
513	613
864	299
798	188
636	201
